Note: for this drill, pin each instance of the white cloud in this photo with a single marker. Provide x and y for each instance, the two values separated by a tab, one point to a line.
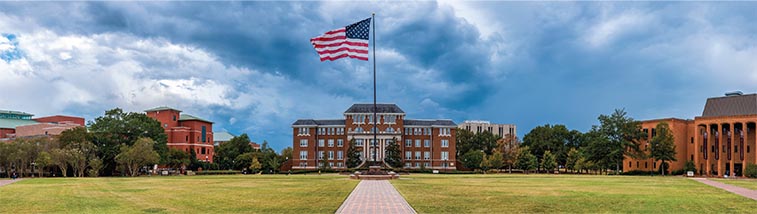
612	26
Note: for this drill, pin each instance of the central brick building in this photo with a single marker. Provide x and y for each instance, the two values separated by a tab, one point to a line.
185	132
423	143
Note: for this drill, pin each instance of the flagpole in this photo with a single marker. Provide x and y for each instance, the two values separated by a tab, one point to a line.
375	119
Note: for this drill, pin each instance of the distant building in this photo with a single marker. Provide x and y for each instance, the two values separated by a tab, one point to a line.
720	142
223	137
477	126
423	143
185	132
15	124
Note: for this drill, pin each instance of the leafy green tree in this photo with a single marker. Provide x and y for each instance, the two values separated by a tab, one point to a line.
43	160
229	151
662	146
573	156
177	158
689	166
116	128
95	165
493	161
323	164
393	154
140	154
598	150
472	159
554	138
751	170
255	166
286	153
274	163
77	159
526	161
623	134
59	158
243	161
509	147
353	155
466	141
549	162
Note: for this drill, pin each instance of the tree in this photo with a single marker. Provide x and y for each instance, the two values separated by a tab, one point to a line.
662	146
138	155
229	151
751	170
466	141
554	138
472	159
353	155
43	160
77	160
598	150
623	134
493	161
177	158
323	164
255	166
689	166
286	153
509	147
526	161
573	156
549	162
116	128
59	158
393	154
95	165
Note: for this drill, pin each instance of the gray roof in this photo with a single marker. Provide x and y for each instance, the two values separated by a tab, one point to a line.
13	123
186	117
311	122
161	108
222	136
368	108
429	123
15	112
731	106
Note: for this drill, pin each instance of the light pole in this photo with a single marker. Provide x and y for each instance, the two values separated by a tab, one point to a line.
34	165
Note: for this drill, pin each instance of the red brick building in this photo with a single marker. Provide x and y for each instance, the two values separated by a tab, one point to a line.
423	143
185	132
21	124
720	142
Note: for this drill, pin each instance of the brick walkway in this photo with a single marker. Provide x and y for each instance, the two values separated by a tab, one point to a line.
730	188
375	197
6	182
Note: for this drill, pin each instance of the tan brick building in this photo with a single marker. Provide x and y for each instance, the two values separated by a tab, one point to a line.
477	126
720	142
423	143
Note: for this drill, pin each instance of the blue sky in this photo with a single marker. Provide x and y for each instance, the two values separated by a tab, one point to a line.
249	66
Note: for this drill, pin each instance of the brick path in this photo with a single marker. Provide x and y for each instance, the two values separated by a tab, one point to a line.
730	188
6	182
371	196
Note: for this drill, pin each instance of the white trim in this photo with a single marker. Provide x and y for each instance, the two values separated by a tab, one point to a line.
188	144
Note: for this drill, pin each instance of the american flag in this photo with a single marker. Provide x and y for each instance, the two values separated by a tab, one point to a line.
350	41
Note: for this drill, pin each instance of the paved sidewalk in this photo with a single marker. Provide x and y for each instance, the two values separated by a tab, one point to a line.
375	197
730	188
6	182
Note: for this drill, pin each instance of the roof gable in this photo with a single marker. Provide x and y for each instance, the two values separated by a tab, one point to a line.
368	108
731	106
162	108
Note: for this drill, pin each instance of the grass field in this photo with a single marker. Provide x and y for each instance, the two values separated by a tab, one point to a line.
746	183
197	194
566	194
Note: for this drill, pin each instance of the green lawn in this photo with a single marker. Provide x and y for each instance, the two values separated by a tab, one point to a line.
746	183
195	194
566	194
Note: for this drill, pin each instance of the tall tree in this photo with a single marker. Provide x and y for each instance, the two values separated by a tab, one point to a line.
353	155
549	162
229	151
509	147
554	138
624	134
117	128
59	158
177	158
255	166
662	146
286	153
598	150
493	161
472	159
393	154
526	161
573	156
43	160
138	155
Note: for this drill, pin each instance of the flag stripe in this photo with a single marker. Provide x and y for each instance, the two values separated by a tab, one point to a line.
350	41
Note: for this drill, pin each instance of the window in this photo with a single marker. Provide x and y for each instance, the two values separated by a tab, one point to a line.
389	130
187	138
331	142
203	134
654	132
408	155
339	164
331	164
358	142
427	143
407	131
426	155
407	165
735	148
692	140
747	149
637	164
445	155
321	142
358	119
408	142
358	129
445	131
339	142
304	143
303	155
331	155
174	117
303	131
428	131
320	155
417	164
645	165
340	131
692	157
417	155
391	119
654	165
427	164
417	143
445	143
339	155
202	151
629	164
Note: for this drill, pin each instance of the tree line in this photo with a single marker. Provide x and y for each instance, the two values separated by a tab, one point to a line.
127	144
551	147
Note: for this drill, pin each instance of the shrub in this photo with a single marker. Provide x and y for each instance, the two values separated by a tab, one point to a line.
690	167
218	172
637	172
751	171
679	172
